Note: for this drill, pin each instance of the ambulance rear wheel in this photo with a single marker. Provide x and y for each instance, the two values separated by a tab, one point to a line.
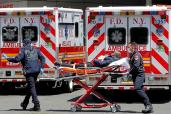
68	86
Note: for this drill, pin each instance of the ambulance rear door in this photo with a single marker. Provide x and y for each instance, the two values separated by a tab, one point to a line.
139	32
116	34
10	40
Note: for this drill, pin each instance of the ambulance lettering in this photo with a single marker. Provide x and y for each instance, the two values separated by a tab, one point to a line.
9	21
29	20
124	48
11	45
116	21
66	43
139	21
118	48
12	64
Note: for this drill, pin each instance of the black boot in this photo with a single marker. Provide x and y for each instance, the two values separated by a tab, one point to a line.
24	105
148	109
36	107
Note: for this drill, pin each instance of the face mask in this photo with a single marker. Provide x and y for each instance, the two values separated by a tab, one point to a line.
129	50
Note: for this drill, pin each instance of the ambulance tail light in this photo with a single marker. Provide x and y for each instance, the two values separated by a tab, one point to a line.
159	42
96	43
158	78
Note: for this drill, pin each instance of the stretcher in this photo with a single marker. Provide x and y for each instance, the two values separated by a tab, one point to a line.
91	71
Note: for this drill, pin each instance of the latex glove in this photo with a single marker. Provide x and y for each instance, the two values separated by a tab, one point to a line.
4	56
41	70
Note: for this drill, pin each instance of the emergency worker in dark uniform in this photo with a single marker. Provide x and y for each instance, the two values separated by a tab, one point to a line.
138	76
32	61
114	56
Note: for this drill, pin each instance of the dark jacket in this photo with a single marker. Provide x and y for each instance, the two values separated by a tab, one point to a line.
29	65
107	60
136	63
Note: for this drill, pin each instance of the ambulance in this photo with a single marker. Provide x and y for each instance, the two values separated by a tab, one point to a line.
57	32
110	29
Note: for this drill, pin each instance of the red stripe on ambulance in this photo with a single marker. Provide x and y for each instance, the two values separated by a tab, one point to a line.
155	70
155	38
160	59
92	47
43	36
91	32
47	54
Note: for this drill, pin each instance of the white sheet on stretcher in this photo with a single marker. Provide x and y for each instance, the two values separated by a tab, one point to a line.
122	62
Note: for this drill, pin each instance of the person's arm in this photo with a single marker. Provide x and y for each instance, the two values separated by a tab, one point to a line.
17	58
42	58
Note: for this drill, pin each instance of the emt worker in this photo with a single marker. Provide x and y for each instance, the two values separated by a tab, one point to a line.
32	61
138	76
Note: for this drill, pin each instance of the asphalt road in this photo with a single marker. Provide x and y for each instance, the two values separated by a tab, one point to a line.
59	102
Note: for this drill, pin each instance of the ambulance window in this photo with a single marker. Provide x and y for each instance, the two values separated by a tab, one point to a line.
139	35
76	30
10	34
30	32
116	36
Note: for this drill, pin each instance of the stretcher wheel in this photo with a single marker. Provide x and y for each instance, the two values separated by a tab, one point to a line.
76	108
118	107
115	108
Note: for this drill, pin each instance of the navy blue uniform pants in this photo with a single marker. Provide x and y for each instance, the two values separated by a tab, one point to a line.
138	82
31	88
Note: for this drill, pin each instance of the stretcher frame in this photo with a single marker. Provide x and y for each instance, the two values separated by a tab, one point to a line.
85	72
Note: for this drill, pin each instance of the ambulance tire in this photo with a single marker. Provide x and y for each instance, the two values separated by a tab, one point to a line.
170	89
68	86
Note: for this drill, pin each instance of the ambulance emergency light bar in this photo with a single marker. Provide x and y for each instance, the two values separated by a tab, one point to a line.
127	8
137	10
38	9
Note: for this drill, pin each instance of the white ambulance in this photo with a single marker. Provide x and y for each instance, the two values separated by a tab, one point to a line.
110	29
58	32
